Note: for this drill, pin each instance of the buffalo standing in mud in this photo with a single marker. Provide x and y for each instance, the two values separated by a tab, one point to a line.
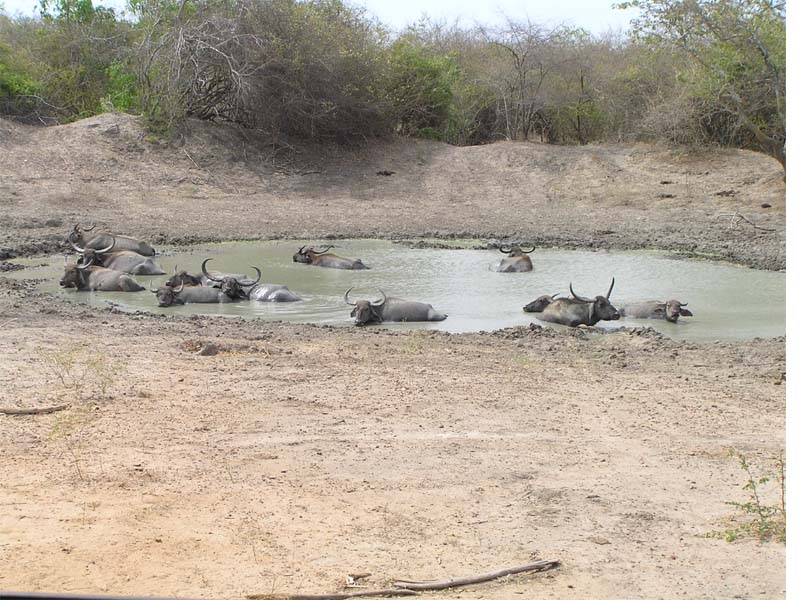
91	278
517	260
654	309
125	261
322	258
84	236
579	310
391	309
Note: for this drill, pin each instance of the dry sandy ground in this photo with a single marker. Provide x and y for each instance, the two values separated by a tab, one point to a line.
291	456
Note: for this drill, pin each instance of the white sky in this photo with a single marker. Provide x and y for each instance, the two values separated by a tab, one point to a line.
596	15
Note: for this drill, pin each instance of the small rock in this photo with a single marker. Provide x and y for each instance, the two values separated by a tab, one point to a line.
208	350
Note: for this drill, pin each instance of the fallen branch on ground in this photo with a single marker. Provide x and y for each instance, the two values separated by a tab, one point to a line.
410	588
33	411
340	596
443	584
737	217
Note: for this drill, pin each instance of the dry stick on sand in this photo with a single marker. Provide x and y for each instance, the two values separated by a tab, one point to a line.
443	584
737	217
340	596
33	411
411	587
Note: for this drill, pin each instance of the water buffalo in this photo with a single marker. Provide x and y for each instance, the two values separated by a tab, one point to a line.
654	309
321	258
80	235
579	310
231	285
93	278
539	304
187	278
391	309
126	261
272	292
198	294
517	260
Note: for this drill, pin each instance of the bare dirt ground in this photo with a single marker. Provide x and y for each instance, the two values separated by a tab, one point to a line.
213	457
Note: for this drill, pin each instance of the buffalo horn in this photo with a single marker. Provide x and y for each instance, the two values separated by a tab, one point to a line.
346	299
88	264
300	251
504	251
179	288
529	251
73	244
383	300
104	250
88	228
258	271
203	269
574	295
553	296
315	251
683	303
608	295
155	291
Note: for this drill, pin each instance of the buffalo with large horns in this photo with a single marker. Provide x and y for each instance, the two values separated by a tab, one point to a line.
323	258
88	238
517	260
579	310
655	309
195	294
125	261
391	309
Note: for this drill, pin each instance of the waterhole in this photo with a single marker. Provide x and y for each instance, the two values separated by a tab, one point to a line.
728	302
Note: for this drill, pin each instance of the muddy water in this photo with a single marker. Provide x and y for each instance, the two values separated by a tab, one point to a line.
728	302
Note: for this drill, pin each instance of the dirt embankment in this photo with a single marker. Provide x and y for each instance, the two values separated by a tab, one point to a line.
211	457
220	185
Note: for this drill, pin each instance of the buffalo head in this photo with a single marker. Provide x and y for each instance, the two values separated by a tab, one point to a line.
601	308
74	275
231	286
540	303
516	250
168	295
674	309
306	254
364	311
185	277
77	234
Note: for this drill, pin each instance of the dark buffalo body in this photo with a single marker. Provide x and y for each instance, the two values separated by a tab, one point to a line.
322	258
391	309
517	260
579	310
93	278
670	310
88	238
198	294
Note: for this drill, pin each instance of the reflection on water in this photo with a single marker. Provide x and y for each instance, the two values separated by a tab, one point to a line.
728	302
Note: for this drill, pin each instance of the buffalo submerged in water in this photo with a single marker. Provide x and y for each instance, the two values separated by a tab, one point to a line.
579	310
517	260
391	309
670	310
125	261
322	258
90	278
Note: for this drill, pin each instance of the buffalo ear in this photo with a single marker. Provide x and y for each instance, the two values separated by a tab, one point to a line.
353	312
686	313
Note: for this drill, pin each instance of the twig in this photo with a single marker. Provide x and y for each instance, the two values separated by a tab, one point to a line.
189	156
443	584
33	411
342	596
737	217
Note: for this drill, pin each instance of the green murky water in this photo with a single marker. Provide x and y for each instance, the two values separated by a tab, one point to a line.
728	302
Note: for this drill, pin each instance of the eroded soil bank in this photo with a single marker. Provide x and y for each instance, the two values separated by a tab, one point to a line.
213	457
221	186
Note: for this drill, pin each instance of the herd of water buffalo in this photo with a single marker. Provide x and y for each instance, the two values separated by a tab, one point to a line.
107	262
